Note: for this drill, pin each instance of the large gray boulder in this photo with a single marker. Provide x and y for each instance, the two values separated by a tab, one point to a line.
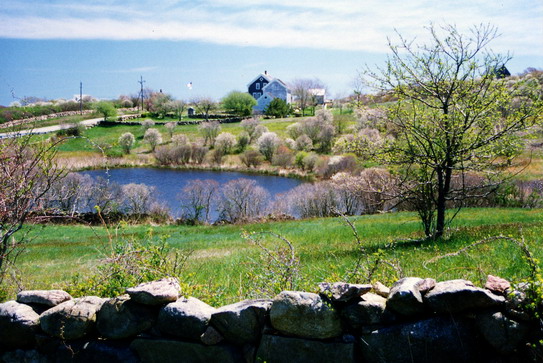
73	319
121	317
500	332
173	351
459	295
369	311
43	297
405	297
156	292
186	318
277	349
18	324
304	314
242	322
440	339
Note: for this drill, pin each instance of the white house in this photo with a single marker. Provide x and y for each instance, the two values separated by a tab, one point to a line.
265	88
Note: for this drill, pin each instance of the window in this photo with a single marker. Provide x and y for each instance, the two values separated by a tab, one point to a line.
264	84
256	95
257	86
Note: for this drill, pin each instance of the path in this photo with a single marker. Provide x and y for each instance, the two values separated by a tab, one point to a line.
48	129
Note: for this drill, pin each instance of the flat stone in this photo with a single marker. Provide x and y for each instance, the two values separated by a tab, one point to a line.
73	319
459	295
344	292
166	351
497	285
277	349
186	318
369	311
43	297
304	314
242	322
426	285
121	317
405	297
155	292
18	325
381	289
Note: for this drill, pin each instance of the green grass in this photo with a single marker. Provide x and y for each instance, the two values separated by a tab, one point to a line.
222	267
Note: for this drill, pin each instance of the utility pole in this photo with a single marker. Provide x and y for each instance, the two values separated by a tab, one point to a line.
80	98
141	82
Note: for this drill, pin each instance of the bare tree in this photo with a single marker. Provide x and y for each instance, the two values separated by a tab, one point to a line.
242	200
204	105
153	137
196	199
302	92
210	130
137	198
27	172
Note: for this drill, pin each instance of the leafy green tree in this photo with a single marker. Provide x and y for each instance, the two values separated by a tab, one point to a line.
106	109
239	103
450	114
278	108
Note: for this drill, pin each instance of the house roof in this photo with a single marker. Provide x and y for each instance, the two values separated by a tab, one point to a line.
278	81
267	77
317	91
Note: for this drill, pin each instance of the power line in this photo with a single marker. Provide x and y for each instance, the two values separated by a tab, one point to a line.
141	82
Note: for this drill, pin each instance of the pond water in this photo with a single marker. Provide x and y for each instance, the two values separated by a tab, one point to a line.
169	182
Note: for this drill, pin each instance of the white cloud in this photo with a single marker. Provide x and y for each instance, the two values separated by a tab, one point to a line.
322	24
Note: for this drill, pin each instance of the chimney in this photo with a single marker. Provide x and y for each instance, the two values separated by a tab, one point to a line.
266	73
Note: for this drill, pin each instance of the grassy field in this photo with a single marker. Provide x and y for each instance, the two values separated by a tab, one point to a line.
224	267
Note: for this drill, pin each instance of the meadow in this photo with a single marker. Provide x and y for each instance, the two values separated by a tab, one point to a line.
223	267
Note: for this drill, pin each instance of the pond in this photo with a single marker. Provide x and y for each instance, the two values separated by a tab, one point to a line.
169	182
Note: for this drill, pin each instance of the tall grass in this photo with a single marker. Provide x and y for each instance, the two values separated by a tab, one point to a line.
223	264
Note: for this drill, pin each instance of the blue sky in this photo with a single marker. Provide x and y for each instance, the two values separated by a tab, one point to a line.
49	46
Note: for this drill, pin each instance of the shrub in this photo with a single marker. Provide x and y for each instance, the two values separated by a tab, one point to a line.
197	199
180	139
153	137
251	158
283	157
225	142
267	144
250	126
337	163
126	142
310	161
304	143
243	141
147	124
299	159
137	198
313	200
209	130
242	200
170	127
198	153
277	108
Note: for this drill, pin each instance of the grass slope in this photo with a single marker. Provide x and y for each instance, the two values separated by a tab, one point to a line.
224	267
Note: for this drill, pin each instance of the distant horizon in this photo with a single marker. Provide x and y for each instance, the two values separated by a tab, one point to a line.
220	47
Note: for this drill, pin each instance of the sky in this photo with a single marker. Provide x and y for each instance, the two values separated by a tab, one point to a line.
49	46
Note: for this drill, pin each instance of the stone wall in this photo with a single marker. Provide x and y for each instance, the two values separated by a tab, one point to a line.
416	320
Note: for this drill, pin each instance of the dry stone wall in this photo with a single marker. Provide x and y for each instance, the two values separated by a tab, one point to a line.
415	320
